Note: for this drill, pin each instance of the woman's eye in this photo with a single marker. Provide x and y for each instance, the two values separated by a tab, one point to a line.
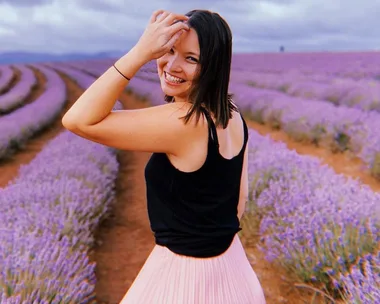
193	59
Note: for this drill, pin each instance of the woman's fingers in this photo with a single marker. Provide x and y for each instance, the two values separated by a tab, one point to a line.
178	26
172	17
163	16
174	38
155	14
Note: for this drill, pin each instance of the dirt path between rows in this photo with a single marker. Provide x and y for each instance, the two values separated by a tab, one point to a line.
124	240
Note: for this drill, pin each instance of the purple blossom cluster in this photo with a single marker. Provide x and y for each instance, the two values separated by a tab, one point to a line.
313	222
18	126
47	218
6	76
18	94
362	284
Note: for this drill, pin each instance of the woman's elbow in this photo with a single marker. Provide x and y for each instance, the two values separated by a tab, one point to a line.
69	124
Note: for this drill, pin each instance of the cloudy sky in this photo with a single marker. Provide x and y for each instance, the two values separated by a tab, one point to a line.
90	26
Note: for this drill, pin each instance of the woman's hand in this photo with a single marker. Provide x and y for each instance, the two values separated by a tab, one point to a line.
161	34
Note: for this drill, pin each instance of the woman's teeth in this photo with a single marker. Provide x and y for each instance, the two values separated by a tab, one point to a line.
173	79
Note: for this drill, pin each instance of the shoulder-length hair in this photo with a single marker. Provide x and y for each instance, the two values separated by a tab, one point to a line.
210	86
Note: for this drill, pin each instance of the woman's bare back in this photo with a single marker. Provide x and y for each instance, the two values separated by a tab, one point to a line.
230	140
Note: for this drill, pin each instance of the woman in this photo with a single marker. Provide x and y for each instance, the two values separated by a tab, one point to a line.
196	178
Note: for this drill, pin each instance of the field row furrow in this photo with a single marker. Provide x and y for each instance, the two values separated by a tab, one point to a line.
17	95
21	124
6	77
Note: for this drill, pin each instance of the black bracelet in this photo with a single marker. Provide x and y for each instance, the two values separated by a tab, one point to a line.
121	73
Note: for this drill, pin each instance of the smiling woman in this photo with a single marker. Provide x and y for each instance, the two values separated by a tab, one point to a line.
197	176
178	68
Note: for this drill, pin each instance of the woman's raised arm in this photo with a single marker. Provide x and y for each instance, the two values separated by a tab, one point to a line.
153	129
96	103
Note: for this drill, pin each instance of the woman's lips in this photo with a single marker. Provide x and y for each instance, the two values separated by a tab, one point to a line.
172	83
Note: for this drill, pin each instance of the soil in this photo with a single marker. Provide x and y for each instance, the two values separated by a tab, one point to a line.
124	239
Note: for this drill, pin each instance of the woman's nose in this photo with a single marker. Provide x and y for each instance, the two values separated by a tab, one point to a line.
174	64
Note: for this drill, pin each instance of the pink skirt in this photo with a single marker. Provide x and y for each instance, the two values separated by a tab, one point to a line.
169	278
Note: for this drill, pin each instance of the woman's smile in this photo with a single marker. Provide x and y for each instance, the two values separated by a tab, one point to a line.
172	80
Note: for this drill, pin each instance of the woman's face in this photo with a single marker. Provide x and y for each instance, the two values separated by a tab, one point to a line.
181	63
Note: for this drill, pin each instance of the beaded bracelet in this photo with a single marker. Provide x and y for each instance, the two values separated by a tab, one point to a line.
121	73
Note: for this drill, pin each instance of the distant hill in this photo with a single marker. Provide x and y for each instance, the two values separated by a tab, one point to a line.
28	57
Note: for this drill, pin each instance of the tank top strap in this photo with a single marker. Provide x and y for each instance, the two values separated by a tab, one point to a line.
245	128
212	128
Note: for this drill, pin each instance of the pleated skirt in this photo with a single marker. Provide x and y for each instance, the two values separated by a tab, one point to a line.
169	278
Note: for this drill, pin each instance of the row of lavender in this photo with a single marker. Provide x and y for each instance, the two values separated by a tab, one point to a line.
361	94
47	218
317	224
18	94
6	77
21	124
348	64
323	227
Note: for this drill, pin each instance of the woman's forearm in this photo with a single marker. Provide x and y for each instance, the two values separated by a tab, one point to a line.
97	101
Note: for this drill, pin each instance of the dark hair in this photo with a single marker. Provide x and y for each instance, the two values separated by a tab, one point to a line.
210	86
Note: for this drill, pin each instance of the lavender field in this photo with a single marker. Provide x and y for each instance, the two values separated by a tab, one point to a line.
321	227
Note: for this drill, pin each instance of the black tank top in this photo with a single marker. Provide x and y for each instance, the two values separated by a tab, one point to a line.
195	213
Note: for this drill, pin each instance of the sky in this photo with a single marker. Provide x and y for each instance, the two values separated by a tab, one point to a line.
91	26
